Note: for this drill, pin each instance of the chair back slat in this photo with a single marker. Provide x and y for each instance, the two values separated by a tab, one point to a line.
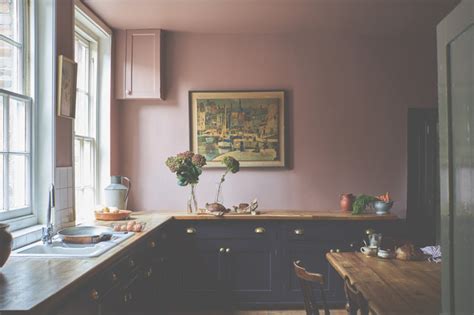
308	281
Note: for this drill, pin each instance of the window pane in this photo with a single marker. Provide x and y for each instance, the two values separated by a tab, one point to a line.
77	163
10	19
82	115
88	165
82	59
17	126
17	181
10	67
1	123
1	183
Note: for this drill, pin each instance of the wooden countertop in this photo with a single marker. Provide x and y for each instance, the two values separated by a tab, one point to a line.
285	215
34	284
392	286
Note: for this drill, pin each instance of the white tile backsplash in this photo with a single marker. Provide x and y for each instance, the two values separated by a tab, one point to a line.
64	211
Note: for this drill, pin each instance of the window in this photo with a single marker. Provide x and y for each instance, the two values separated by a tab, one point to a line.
15	112
85	135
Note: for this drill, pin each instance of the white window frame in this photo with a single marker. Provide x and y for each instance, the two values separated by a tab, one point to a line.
85	35
26	215
8	213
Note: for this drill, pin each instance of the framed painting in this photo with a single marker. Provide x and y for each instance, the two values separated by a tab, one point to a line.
67	79
247	125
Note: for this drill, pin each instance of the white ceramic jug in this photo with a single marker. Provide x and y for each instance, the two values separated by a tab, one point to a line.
116	194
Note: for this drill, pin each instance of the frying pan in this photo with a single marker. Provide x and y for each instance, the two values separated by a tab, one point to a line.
85	234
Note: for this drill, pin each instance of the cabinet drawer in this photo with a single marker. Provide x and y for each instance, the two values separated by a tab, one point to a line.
223	230
314	231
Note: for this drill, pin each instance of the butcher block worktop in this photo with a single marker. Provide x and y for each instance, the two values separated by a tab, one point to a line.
287	215
33	284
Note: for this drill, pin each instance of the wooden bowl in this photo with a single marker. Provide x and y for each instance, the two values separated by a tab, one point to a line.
109	216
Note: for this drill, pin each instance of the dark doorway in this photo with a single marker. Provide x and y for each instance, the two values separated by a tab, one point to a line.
423	176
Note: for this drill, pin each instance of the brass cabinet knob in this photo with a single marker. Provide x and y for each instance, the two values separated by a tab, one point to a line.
338	250
369	231
95	294
130	296
114	277
299	231
125	298
152	244
331	250
149	273
227	250
131	262
260	230
221	250
190	230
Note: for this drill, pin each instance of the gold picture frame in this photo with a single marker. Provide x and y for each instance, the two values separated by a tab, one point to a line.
247	125
67	80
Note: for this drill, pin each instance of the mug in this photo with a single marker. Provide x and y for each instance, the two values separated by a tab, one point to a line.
369	251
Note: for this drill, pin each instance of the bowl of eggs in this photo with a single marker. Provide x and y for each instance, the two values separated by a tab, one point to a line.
130	226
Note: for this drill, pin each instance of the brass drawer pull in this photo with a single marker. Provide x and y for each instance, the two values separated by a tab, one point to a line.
149	273
299	232
114	277
227	250
131	262
152	244
190	230
338	250
260	230
221	250
95	294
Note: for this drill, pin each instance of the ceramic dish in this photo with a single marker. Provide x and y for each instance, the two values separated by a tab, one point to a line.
111	216
387	254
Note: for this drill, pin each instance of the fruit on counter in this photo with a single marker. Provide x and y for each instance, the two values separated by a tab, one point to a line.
385	198
102	209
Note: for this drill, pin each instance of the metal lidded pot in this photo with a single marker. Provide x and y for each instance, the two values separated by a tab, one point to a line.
116	194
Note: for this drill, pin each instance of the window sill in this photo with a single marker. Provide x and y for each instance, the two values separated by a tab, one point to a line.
26	236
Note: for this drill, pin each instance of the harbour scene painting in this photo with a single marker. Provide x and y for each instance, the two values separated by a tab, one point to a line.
248	126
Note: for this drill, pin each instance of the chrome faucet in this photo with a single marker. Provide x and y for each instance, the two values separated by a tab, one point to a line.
48	230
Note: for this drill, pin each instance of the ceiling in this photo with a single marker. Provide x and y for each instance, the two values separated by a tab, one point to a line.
373	17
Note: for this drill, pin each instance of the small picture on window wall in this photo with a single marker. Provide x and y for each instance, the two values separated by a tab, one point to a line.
246	125
67	79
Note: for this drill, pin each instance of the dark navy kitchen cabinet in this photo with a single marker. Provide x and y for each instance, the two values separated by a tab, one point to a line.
249	263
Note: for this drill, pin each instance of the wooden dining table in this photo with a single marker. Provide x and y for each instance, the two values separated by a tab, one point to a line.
392	286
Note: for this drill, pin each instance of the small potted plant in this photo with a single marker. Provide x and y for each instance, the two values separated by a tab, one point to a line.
187	166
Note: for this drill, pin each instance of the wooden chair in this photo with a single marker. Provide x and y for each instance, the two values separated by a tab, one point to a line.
355	299
307	280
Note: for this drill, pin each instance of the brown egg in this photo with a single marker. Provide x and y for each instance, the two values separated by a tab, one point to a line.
123	228
137	227
117	227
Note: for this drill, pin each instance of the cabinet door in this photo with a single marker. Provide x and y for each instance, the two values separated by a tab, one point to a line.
142	65
312	254
249	266
200	267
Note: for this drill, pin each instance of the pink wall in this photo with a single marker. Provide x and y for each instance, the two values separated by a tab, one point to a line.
348	100
64	46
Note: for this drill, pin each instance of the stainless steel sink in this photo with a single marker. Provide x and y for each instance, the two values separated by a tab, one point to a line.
58	249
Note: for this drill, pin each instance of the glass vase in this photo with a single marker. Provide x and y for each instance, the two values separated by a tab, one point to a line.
219	193
192	201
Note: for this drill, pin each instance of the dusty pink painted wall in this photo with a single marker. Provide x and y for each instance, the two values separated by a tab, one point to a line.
348	100
64	46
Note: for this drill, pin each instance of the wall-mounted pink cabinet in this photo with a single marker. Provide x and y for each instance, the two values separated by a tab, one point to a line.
138	64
